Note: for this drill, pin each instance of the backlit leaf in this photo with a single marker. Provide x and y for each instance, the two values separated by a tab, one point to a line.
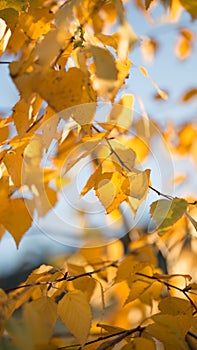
136	184
165	213
75	313
109	190
121	113
122	155
105	64
67	88
11	212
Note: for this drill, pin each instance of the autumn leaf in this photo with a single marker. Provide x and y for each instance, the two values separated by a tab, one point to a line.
189	95
167	330
41	316
18	5
190	6
75	313
160	92
184	45
136	184
165	213
140	343
12	210
63	94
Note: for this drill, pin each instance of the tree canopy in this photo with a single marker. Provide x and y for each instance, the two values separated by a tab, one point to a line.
70	61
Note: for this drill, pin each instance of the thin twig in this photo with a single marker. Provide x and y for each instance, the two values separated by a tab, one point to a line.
120	335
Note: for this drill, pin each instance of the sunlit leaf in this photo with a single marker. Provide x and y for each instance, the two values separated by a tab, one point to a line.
136	184
109	190
165	213
11	212
75	313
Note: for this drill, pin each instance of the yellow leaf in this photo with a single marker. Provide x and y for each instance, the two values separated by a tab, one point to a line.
136	184
190	6
175	10
161	93
136	290
175	306
105	64
66	88
121	113
17	40
123	71
122	156
2	230
184	44
187	136
22	117
189	95
165	213
139	344
134	204
109	190
4	132
6	309
128	39
148	48
167	330
140	147
111	40
19	5
84	113
15	217
40	315
105	81
86	285
75	313
128	267
13	162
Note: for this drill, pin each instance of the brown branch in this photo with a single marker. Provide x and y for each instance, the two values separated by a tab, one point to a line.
169	285
128	168
119	336
66	277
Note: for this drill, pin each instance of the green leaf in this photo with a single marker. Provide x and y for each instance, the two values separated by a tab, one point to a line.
165	213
